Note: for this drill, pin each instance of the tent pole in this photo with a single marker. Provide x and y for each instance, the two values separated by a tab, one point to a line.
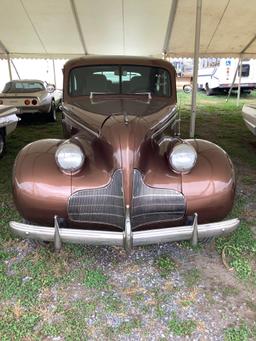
54	72
233	82
195	70
78	25
14	66
9	66
170	27
239	82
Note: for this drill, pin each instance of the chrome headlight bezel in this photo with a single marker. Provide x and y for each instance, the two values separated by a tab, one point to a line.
74	153
182	158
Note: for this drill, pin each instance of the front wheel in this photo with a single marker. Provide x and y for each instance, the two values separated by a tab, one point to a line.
2	144
52	117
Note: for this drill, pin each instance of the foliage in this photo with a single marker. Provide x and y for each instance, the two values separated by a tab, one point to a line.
181	327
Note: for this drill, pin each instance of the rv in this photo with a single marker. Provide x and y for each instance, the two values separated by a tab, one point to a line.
216	75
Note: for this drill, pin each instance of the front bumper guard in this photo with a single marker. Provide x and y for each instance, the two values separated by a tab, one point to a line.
128	238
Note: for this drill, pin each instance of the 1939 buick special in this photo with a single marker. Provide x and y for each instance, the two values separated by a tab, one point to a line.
121	177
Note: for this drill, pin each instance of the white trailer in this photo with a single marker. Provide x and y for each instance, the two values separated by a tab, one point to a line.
215	75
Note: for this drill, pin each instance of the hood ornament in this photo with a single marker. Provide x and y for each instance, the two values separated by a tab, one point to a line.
126	120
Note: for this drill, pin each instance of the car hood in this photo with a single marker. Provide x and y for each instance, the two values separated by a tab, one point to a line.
94	113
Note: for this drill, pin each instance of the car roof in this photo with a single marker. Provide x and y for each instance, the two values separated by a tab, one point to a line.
103	60
26	80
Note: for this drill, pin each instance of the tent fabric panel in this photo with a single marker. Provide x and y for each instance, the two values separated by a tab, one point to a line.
101	23
145	26
55	24
16	32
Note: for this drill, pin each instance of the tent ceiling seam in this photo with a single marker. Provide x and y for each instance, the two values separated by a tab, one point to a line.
170	24
249	44
34	28
218	25
78	25
3	47
123	23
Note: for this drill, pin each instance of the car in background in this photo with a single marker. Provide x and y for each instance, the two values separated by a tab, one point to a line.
122	176
8	123
32	96
249	116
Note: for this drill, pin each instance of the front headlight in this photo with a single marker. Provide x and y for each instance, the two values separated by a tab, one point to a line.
183	158
69	157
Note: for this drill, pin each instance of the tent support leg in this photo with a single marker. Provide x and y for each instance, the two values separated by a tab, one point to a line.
54	72
239	82
9	66
233	82
195	70
14	66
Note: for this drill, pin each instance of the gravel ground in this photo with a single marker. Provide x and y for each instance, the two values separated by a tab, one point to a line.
141	301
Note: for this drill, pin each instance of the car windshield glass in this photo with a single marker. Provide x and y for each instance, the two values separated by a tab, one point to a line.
116	79
23	87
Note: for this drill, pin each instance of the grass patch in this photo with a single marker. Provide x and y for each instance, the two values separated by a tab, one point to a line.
181	327
95	279
165	265
240	333
71	322
127	327
13	327
191	277
240	249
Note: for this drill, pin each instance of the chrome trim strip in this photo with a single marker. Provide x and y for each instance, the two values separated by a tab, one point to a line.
72	119
117	238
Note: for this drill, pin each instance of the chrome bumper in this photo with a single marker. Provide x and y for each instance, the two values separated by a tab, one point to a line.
128	238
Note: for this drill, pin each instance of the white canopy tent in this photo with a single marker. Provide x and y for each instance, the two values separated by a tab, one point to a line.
70	28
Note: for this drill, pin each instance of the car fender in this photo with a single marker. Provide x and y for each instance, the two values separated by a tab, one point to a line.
41	190
209	188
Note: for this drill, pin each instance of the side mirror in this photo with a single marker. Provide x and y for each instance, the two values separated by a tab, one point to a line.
51	88
187	88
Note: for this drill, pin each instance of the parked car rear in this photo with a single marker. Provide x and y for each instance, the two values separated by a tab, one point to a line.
32	96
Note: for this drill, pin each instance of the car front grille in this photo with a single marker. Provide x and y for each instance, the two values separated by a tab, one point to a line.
152	204
103	205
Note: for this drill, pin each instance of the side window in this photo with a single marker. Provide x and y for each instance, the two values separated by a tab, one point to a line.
245	70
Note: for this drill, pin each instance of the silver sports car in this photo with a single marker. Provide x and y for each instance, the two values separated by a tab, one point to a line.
32	96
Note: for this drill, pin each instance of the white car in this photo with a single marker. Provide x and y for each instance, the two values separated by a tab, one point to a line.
32	96
249	116
8	123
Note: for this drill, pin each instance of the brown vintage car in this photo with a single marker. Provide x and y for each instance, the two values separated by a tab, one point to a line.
121	177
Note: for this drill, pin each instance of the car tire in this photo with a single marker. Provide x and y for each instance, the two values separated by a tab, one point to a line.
2	143
52	117
209	92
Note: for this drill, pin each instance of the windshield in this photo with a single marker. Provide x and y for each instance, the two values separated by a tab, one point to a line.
18	87
116	79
